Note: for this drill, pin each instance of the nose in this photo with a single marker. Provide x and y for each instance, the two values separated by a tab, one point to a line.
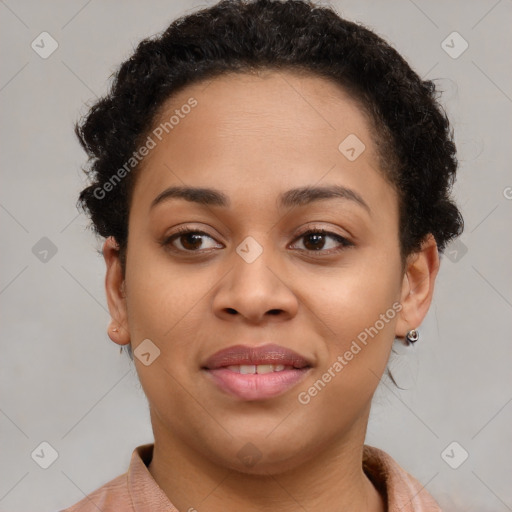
255	292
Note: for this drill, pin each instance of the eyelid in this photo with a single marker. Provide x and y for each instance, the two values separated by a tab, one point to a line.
318	228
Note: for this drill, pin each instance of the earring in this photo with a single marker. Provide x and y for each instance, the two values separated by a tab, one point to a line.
412	336
115	329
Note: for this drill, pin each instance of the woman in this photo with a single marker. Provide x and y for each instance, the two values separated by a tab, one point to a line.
273	183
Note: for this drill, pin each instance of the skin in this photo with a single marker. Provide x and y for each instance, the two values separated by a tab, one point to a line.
254	136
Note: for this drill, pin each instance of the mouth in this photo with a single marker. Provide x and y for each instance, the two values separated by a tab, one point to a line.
256	373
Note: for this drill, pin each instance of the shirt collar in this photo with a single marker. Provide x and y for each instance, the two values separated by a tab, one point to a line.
145	493
401	491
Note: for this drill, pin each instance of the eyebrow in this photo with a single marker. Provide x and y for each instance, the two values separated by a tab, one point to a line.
291	198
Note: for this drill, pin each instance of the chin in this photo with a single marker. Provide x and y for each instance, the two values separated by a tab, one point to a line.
266	465
260	456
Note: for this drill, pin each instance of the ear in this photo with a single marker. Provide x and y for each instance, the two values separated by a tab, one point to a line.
114	286
418	286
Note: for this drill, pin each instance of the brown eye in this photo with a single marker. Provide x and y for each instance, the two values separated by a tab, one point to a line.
320	240
314	241
189	240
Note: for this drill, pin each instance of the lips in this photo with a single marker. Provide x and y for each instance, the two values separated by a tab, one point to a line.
242	355
256	373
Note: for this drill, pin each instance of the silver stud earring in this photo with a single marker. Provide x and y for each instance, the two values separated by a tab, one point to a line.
412	336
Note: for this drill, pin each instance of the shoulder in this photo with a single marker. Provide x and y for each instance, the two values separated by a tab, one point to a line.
401	490
135	490
113	496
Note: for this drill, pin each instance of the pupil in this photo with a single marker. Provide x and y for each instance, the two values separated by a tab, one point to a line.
193	240
318	242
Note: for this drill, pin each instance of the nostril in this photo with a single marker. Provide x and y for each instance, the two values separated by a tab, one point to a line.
231	311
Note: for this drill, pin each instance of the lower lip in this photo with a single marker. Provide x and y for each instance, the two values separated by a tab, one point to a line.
256	386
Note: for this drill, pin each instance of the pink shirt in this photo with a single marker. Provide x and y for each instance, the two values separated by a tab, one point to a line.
137	491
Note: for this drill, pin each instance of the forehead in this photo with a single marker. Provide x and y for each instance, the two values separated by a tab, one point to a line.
305	106
259	132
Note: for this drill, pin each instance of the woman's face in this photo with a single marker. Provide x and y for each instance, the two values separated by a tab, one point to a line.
249	277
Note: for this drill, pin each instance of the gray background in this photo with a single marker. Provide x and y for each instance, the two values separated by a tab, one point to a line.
64	382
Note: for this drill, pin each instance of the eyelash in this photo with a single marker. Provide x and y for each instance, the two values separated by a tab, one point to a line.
184	230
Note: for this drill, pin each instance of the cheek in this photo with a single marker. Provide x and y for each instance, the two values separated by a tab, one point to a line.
165	303
158	305
353	297
359	308
164	306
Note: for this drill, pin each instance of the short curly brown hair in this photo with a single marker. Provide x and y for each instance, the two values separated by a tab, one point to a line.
412	132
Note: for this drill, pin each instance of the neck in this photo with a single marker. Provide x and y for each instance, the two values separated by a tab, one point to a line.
332	480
